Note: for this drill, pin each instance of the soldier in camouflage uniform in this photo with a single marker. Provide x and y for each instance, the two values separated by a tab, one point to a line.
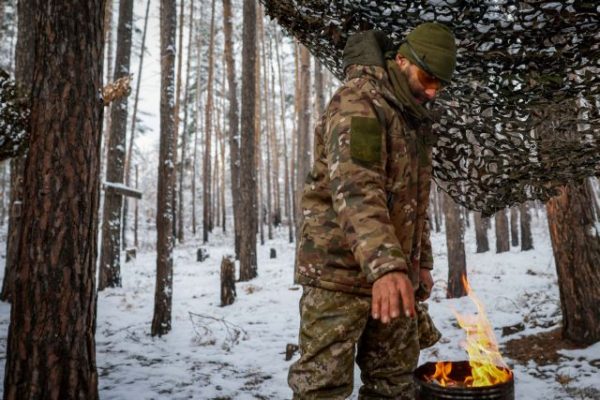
364	245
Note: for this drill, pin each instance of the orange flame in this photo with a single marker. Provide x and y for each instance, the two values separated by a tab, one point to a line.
487	366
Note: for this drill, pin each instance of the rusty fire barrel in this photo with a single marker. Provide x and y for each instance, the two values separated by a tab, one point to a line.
460	369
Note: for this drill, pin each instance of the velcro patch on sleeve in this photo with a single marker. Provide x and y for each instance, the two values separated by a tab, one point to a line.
365	140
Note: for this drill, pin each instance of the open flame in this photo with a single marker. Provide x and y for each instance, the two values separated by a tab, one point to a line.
487	366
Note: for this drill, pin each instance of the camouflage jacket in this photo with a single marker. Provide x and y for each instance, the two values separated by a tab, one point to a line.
365	200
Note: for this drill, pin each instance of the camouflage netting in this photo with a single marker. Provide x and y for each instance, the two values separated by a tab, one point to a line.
523	113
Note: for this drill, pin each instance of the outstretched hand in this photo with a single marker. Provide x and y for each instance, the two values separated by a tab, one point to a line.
391	292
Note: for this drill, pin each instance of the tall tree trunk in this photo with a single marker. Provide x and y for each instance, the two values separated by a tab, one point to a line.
222	175
526	237
593	193
108	57
287	184
110	256
481	236
268	133
274	142
24	64
319	90
248	268
303	150
136	212
457	262
51	348
295	130
207	217
257	128
184	132
514	226
178	81
161	322
198	119
133	124
3	188
436	209
576	244
502	242
234	140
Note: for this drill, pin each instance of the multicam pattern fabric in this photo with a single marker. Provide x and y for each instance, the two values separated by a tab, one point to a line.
365	214
333	323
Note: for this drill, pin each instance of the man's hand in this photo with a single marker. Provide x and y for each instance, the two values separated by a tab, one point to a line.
387	293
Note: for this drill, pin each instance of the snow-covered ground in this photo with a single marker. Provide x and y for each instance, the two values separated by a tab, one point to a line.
238	352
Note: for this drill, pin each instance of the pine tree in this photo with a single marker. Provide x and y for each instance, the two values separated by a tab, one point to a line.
576	245
110	257
57	269
248	219
455	242
163	297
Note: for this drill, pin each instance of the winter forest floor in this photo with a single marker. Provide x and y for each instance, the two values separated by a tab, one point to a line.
238	352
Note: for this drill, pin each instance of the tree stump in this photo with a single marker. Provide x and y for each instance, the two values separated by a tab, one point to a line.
290	350
227	281
273	253
201	255
130	254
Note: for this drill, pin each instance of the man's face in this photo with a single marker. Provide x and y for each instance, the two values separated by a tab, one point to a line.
423	86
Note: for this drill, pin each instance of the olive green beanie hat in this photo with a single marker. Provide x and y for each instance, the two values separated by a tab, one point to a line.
431	47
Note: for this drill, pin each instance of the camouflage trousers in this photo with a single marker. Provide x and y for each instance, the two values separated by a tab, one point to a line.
334	324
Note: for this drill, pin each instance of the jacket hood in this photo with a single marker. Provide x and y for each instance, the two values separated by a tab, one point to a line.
368	48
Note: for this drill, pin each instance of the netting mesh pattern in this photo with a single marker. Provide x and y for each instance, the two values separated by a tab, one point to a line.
523	113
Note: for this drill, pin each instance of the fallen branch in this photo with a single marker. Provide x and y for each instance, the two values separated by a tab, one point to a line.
205	335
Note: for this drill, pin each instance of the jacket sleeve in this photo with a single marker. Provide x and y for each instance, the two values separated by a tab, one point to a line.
356	156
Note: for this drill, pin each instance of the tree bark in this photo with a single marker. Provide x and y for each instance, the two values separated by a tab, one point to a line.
234	139
51	348
576	245
457	262
178	81
502	242
481	237
287	183
436	209
136	212
207	217
526	237
184	132
274	141
24	64
268	133
248	268
258	132
227	281
161	322
133	125
514	226
110	257
319	95
303	150
108	56
198	119
3	189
